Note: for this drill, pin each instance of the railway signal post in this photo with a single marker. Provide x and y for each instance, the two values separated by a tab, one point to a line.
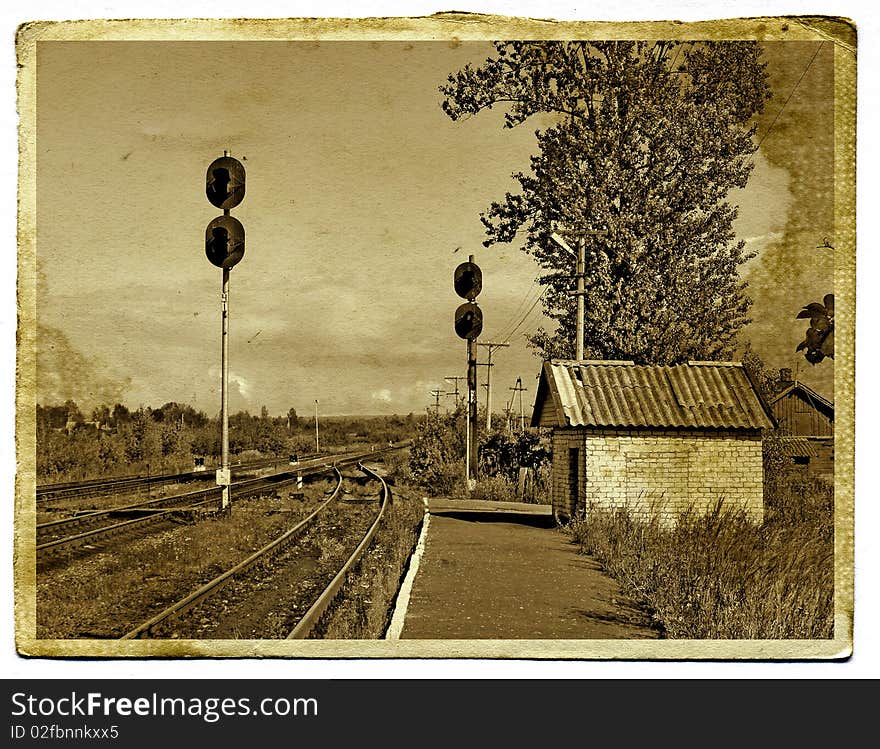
468	283
224	247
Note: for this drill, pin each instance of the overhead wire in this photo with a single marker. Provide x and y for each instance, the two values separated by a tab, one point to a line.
527	314
516	320
519	308
803	75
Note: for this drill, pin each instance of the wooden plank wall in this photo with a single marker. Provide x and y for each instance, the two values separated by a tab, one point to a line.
798	417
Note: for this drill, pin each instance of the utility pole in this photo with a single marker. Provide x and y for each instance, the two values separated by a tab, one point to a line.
491	346
317	442
579	341
454	392
580	275
508	409
519	389
435	394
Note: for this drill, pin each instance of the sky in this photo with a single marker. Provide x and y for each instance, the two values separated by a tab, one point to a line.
362	197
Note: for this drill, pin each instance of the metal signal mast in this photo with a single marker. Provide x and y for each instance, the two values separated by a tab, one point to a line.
224	247
468	282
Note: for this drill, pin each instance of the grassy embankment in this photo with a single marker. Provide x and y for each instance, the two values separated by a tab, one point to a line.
717	575
109	593
364	607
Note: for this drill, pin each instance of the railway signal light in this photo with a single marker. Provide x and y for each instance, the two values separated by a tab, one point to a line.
224	241
224	247
224	182
468	321
468	281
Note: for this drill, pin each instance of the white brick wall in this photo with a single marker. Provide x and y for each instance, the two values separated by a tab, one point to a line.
660	470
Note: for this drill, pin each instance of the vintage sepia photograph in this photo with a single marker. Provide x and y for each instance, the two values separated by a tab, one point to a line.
447	337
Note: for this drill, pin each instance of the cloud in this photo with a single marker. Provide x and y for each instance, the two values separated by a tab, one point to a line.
63	373
761	240
244	387
383	395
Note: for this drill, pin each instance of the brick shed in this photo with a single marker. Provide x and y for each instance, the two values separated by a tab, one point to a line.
653	437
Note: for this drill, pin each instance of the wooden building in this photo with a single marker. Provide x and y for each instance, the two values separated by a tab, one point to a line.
806	425
655	439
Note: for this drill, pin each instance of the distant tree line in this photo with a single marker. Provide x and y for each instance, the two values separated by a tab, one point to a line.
116	440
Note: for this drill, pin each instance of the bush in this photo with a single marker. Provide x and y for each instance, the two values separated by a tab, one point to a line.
436	460
791	496
495	489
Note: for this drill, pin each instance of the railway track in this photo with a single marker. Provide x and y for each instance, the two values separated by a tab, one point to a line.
83	531
215	585
130	484
307	624
127	484
263	573
86	530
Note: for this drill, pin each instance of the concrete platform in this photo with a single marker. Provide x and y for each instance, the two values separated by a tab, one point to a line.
510	579
483	509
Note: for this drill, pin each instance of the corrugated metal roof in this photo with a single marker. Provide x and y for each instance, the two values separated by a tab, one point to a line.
615	394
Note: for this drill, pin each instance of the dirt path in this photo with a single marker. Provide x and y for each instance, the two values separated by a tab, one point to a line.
504	580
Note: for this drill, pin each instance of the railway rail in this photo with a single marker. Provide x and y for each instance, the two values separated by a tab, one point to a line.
220	581
320	603
66	534
100	487
312	617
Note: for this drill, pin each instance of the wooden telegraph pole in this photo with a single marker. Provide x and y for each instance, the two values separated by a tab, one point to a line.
317	440
508	410
580	275
491	346
435	394
519	389
455	392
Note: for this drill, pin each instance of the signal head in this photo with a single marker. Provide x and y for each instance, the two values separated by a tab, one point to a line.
468	321
468	280
224	182
224	241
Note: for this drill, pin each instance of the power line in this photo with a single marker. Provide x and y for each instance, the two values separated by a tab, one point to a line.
526	316
522	303
516	314
809	64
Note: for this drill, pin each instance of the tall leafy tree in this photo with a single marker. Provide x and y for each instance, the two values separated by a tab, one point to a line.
644	141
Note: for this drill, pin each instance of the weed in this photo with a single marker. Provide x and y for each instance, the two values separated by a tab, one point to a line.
717	575
364	609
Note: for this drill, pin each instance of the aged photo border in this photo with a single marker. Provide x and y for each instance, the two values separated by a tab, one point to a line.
465	28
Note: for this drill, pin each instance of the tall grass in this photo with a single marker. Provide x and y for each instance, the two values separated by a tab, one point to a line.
717	575
364	609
